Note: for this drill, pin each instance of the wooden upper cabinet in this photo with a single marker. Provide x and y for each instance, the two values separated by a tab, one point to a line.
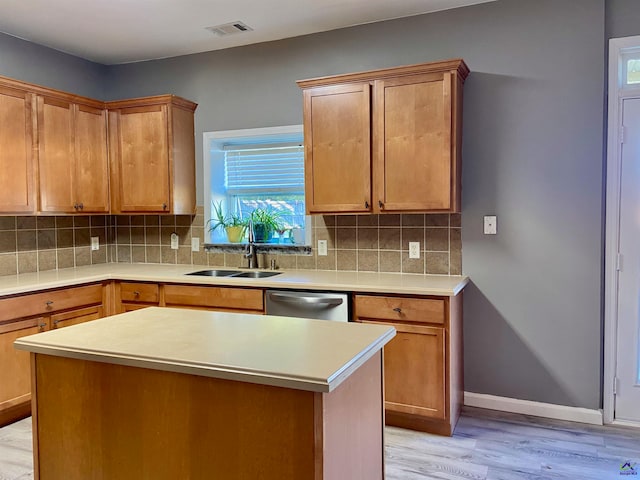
337	148
72	157
152	151
17	189
411	139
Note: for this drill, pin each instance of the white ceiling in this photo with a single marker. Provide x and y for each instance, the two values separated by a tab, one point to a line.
120	31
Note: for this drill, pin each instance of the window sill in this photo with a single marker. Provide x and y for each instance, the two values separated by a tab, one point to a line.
272	248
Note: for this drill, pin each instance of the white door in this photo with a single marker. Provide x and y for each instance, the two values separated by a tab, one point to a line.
627	399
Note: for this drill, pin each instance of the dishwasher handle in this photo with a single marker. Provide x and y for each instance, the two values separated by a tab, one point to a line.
298	299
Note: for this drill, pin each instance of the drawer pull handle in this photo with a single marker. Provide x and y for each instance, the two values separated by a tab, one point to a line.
366	204
42	325
397	309
380	204
48	303
136	293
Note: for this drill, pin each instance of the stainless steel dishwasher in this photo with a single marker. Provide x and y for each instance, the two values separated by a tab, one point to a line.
322	306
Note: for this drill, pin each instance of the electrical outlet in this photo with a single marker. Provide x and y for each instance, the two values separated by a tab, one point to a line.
490	225
195	244
95	243
322	248
174	241
414	249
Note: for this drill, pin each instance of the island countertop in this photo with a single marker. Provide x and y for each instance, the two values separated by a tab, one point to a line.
312	355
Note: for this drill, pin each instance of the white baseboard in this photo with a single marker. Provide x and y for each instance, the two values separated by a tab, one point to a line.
538	409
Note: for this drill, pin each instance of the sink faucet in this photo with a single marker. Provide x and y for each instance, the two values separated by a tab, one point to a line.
251	255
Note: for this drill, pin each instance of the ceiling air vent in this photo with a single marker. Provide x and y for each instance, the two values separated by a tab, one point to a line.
229	29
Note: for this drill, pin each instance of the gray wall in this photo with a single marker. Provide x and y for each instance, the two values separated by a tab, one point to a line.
532	155
44	66
622	18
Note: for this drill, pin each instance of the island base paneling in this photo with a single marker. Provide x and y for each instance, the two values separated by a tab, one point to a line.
105	421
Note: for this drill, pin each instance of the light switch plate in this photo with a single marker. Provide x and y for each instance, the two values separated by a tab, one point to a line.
95	243
414	249
195	244
174	241
322	248
490	225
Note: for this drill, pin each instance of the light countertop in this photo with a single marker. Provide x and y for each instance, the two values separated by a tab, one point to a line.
313	355
400	283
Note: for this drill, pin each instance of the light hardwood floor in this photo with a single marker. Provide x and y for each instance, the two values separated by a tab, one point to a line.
486	445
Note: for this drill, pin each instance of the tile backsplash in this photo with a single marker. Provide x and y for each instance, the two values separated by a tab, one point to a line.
372	243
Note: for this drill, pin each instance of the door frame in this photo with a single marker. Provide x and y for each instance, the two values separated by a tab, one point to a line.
618	47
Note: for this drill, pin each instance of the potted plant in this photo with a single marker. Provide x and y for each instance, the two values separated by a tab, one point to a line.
265	222
234	226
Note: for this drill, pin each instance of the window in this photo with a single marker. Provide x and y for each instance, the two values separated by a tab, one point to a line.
258	168
631	69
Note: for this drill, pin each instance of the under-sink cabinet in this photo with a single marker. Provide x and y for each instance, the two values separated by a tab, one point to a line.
423	363
384	140
27	314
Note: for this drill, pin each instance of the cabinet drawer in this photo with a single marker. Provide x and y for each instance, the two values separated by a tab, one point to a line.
47	302
424	310
224	297
139	292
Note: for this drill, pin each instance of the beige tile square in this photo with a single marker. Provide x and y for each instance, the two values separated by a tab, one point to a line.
285	262
346	260
325	233
437	263
324	220
346	220
152	253
168	220
367	238
98	220
199	258
136	220
215	259
389	238
45	222
27	262
123	220
389	220
199	209
184	256
99	256
137	236
64	222
455	220
165	235
411	234
47	260
27	240
367	220
198	232
184	220
455	262
151	220
456	240
8	264
306	262
7	223
437	220
234	260
412	265
123	253
327	262
8	241
368	260
83	256
81	237
152	235
167	255
138	254
26	223
81	221
345	238
46	239
66	257
390	261
123	235
437	239
184	235
412	220
64	237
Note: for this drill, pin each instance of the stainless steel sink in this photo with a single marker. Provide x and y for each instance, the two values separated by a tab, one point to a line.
234	273
256	274
214	273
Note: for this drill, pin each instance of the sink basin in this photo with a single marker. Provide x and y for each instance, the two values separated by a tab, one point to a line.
255	274
234	273
214	273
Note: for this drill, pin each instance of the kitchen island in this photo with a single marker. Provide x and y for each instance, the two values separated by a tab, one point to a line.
165	393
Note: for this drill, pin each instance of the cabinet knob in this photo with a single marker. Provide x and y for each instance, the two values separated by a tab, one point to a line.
136	294
75	206
397	309
55	322
366	204
48	303
164	206
81	206
42	325
380	204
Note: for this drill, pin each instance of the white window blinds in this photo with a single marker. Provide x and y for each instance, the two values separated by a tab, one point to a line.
264	168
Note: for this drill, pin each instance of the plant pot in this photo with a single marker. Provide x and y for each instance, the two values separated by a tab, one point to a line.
262	233
235	234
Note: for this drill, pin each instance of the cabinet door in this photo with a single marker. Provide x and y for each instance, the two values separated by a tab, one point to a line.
15	366
413	143
143	159
16	152
91	170
414	371
74	317
55	155
337	133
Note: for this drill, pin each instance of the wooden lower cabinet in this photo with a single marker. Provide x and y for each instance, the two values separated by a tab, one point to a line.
28	314
423	363
136	295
